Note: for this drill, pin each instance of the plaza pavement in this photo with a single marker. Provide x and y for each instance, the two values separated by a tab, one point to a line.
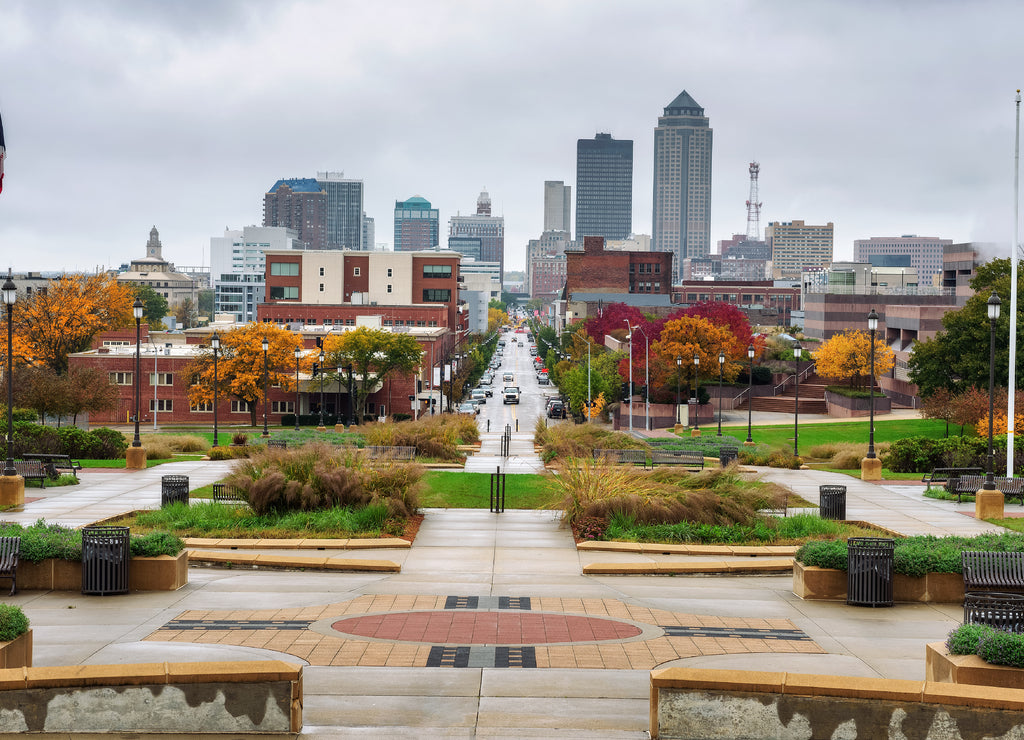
447	647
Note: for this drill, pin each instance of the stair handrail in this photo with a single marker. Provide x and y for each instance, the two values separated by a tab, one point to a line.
808	371
804	374
737	400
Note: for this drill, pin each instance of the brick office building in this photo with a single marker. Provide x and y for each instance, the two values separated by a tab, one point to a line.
597	270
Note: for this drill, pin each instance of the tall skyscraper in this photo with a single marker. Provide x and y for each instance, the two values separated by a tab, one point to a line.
488	229
344	210
682	182
369	233
604	187
557	206
298	204
416	225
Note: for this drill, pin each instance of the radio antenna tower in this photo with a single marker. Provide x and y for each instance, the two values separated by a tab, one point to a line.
753	206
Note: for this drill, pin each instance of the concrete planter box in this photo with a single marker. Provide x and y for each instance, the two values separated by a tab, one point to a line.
827	584
163	573
939	665
845	407
17	653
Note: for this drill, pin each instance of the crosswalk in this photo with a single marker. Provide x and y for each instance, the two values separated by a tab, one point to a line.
521	457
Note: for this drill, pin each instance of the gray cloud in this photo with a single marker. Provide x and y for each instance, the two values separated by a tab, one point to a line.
885	118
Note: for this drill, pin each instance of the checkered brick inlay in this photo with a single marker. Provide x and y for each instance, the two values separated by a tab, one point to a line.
238	624
738	632
476	656
519	603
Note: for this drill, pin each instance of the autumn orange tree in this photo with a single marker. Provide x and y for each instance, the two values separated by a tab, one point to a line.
685	337
373	354
847	356
68	314
240	365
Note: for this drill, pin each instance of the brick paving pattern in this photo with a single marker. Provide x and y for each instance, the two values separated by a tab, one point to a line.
445	631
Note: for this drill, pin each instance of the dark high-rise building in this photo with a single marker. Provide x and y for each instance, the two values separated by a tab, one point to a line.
301	205
682	182
344	210
604	187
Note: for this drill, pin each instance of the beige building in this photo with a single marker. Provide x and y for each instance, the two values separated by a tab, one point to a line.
159	274
796	246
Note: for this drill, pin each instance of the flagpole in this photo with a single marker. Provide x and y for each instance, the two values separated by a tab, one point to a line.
1012	384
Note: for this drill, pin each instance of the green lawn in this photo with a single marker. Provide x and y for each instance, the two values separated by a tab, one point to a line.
149	463
781	435
855	472
472	491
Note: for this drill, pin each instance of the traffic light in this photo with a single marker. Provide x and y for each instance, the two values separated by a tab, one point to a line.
316	369
625	392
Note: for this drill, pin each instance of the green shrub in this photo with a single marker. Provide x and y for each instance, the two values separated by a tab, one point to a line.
965	638
155	544
13	622
100	444
823	554
40	541
1002	648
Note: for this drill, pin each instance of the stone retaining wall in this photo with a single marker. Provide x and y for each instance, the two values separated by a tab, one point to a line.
750	705
237	698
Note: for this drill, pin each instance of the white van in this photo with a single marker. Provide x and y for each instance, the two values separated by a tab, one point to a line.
508	378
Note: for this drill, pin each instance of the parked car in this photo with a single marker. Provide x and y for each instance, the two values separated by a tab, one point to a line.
486	379
556	410
542	379
478	396
468	407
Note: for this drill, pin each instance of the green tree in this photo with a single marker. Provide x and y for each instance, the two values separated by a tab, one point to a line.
373	355
958	357
155	305
185	313
204	303
88	389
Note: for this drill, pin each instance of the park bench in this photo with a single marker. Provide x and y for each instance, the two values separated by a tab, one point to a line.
31	470
993	571
968	485
10	554
947	475
693	459
222	494
54	463
621	457
280	444
388	452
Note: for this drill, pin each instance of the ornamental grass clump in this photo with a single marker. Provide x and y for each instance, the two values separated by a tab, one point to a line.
565	441
437	436
13	622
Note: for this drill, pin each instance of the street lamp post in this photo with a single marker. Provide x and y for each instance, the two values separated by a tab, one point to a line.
993	315
350	419
266	345
298	355
750	393
588	380
871	466
339	420
797	352
679	372
630	338
721	368
321	428
696	410
135	458
10	295
215	343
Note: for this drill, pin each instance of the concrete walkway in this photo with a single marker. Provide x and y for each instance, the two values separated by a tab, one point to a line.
490	630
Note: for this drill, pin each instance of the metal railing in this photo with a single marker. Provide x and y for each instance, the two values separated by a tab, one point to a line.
804	374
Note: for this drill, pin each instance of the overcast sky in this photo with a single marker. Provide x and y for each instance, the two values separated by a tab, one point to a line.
886	118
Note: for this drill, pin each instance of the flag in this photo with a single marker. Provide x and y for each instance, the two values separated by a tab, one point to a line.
3	151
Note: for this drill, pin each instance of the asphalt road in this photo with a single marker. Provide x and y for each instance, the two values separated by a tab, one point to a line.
532	395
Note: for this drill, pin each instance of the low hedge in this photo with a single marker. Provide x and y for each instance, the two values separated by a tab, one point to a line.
991	645
41	541
923	454
98	444
914	556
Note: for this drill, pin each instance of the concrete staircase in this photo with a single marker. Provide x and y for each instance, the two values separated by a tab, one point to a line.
812	398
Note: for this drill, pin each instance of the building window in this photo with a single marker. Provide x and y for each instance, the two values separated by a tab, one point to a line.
162	404
436	295
355	272
284	292
321	272
391	272
437	271
121	378
161	379
239	407
290	269
282	407
202	407
116	343
321	287
389	287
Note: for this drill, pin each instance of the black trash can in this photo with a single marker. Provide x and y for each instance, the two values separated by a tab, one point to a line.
105	557
173	488
727	454
832	502
869	571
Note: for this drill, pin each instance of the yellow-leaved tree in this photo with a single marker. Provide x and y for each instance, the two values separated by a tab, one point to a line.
847	356
68	314
240	366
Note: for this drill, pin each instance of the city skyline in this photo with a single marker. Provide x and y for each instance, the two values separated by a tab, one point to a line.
182	115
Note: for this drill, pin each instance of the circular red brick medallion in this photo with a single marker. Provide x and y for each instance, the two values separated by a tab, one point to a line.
466	627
